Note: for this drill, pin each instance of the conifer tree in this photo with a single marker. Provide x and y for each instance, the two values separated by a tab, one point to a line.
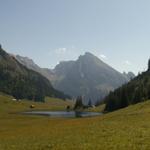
79	103
89	103
149	65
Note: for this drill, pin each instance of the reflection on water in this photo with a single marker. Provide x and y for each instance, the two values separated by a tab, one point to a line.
64	114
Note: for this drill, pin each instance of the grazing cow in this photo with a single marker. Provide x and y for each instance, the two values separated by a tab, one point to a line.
32	106
14	99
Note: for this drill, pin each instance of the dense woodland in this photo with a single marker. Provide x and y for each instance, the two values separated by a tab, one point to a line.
137	90
17	80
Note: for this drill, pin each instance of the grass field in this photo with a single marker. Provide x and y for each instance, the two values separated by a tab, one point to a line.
126	129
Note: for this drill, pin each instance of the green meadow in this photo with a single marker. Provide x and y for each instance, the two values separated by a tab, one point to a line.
125	129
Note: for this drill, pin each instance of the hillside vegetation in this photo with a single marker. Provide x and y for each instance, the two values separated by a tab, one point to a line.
126	129
137	90
17	80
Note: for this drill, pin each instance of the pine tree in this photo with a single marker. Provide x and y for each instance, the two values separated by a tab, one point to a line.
90	103
149	65
79	103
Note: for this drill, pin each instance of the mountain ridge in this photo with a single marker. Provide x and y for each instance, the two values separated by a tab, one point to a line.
21	82
83	76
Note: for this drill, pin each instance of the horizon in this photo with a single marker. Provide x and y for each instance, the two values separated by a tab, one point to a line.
52	31
76	60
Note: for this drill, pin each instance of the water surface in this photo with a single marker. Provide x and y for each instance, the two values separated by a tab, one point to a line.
63	114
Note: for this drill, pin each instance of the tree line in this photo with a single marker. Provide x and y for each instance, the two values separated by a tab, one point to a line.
23	83
137	90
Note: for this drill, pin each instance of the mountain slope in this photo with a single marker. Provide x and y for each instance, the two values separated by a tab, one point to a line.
129	75
29	63
17	80
88	76
137	90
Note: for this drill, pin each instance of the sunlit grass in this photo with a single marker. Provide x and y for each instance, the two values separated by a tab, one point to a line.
126	129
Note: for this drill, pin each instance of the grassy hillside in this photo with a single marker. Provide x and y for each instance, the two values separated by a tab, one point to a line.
21	82
7	105
127	128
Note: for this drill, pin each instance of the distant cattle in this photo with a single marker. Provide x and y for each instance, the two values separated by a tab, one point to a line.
32	106
14	99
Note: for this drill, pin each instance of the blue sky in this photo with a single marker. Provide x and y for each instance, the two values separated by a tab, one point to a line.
49	31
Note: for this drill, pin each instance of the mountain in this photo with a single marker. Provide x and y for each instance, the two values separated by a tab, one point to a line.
87	76
29	63
137	90
129	75
21	82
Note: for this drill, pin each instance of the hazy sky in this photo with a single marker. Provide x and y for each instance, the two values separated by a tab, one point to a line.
48	31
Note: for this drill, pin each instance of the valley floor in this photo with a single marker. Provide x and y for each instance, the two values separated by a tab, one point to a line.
126	129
